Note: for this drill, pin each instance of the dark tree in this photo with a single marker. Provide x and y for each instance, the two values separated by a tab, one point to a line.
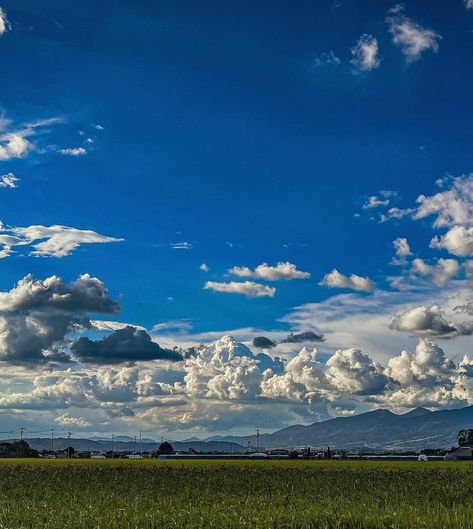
165	448
17	449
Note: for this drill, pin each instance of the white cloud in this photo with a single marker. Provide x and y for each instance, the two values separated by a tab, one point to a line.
9	181
451	207
375	202
184	245
401	246
468	4
74	151
4	24
440	274
430	321
457	241
204	267
14	145
67	420
412	38
48	241
249	289
365	54
335	279
285	271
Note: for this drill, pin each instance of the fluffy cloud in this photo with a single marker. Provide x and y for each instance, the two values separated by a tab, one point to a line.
270	273
468	4
4	24
48	241
9	180
412	38
427	365
352	371
74	151
429	321
249	289
204	267
402	248
36	316
335	279
440	274
457	241
365	54
123	345
451	207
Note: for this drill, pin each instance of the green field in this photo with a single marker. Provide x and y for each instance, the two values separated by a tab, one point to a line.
255	494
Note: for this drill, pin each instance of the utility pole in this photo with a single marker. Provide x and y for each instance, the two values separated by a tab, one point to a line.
113	439
257	440
134	446
141	444
21	433
69	445
52	439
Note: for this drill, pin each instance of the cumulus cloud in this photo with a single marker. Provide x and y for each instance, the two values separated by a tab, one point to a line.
440	273
249	289
123	345
468	4
402	248
451	207
48	241
280	271
204	267
335	279
9	181
301	337
352	371
4	24
261	342
36	316
457	241
73	151
365	54
429	321
412	38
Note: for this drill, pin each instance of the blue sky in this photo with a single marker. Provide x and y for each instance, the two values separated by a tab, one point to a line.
238	135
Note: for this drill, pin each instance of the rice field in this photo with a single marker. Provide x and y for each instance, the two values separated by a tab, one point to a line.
116	494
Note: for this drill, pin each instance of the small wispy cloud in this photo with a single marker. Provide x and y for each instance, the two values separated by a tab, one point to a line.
412	38
365	54
325	59
74	151
204	267
9	181
183	245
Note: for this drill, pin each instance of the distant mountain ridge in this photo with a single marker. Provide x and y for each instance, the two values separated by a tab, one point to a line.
379	429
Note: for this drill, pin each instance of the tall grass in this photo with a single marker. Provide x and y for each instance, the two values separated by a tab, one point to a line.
257	494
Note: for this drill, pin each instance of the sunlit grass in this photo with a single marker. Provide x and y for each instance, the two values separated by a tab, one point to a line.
97	494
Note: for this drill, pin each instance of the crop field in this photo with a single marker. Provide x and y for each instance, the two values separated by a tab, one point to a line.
120	494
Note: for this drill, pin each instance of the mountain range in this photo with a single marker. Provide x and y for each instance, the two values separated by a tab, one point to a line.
379	429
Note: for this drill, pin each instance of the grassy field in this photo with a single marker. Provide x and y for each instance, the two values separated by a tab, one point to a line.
255	494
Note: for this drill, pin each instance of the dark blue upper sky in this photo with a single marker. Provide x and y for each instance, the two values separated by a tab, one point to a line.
226	127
